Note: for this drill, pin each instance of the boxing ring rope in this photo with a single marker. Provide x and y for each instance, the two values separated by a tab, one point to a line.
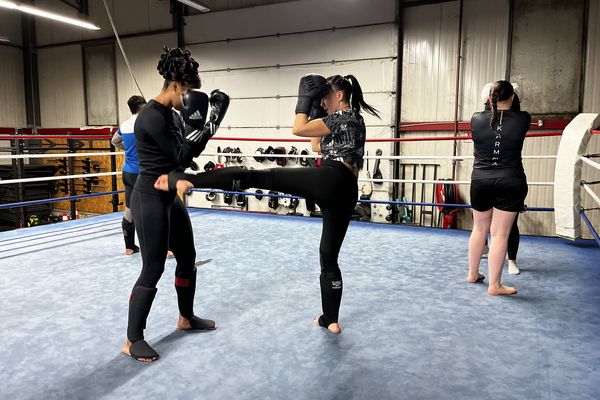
57	199
395	202
84	135
56	178
587	187
371	140
61	155
590	162
367	157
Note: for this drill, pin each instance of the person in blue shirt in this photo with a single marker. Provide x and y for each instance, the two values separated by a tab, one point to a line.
124	139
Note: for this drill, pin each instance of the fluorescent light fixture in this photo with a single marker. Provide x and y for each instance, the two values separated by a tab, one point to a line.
4	39
47	14
195	4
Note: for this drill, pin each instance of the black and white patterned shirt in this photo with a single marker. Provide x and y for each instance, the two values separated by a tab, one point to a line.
347	140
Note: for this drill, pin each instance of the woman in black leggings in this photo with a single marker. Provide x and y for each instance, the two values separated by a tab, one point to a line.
340	137
161	218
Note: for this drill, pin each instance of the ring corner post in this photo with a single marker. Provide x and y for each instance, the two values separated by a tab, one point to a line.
567	174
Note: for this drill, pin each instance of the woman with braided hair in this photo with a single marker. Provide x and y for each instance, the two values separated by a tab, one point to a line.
329	112
161	218
498	181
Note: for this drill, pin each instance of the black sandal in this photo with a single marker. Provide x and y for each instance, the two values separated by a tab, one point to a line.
200	324
140	350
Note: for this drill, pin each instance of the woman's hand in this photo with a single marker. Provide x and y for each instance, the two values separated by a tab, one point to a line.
184	186
162	183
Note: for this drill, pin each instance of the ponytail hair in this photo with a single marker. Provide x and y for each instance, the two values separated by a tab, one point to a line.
352	93
501	91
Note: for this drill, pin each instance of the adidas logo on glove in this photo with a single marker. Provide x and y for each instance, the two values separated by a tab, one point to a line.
196	115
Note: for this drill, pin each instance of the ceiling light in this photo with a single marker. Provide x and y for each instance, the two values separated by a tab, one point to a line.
47	14
195	4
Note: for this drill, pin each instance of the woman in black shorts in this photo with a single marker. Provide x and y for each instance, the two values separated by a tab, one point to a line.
498	182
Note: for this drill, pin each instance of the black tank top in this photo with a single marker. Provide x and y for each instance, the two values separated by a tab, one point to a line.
498	151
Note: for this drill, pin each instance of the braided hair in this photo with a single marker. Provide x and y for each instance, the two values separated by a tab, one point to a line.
500	91
352	93
177	65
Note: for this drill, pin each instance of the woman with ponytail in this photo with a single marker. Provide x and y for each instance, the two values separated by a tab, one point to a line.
329	112
498	181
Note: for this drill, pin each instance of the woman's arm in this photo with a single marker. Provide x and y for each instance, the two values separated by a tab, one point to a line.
305	128
315	143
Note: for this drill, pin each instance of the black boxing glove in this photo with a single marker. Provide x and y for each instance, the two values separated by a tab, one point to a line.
316	111
193	107
219	103
312	88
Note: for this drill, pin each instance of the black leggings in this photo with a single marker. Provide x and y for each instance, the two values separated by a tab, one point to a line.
162	223
332	186
129	180
513	240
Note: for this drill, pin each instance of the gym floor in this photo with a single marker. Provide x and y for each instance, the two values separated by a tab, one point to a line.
413	328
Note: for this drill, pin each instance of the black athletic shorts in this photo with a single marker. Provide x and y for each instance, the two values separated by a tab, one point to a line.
128	182
506	194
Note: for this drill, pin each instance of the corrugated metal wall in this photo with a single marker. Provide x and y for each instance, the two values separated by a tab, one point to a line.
247	69
143	54
548	30
429	82
591	102
62	99
12	95
485	45
429	62
131	16
543	31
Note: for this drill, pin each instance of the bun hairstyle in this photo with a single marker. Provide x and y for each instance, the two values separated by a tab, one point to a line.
352	93
500	91
177	65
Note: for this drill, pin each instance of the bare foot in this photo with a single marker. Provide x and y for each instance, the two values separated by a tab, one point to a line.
125	350
183	324
129	252
333	328
500	290
475	278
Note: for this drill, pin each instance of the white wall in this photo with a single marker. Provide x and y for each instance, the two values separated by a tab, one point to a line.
143	54
131	16
252	71
62	100
12	95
